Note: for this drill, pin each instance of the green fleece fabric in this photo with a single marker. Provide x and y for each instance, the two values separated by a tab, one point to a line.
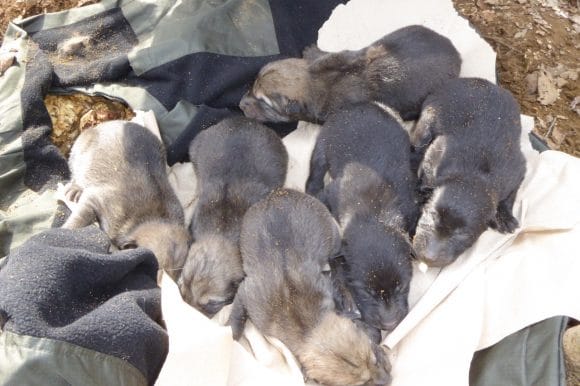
530	357
26	360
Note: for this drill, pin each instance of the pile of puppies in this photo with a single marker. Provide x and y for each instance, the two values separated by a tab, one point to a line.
377	196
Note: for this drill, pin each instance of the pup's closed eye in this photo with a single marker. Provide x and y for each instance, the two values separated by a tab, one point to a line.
264	98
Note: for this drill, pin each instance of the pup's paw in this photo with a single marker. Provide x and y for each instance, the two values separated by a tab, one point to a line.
504	222
68	194
73	192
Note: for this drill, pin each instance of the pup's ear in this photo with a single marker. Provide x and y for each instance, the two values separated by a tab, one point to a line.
337	61
412	253
127	243
312	52
343	247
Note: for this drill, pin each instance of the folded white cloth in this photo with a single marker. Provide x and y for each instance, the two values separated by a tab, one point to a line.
500	285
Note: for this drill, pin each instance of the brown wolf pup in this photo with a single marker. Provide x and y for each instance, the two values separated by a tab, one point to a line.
286	242
398	70
119	178
237	162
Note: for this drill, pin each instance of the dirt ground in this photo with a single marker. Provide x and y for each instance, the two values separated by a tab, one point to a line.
12	9
538	50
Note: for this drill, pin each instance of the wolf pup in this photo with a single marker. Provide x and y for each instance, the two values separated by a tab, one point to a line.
366	152
399	70
344	300
119	178
472	168
237	162
376	244
286	241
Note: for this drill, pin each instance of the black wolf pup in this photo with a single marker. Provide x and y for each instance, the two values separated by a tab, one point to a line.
472	168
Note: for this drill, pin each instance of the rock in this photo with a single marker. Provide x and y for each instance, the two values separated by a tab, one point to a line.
6	61
532	83
575	105
548	91
520	34
562	74
75	46
558	136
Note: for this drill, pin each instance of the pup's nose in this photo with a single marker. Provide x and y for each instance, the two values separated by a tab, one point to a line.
429	258
211	308
382	377
389	324
431	254
245	102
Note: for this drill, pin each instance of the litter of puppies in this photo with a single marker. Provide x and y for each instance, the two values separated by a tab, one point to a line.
396	196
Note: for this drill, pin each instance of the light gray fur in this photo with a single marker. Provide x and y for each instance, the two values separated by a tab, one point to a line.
119	178
286	242
237	162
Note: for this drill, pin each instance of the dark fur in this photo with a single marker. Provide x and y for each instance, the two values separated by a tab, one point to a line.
237	163
119	178
370	142
376	245
344	301
472	168
372	195
286	242
399	70
379	270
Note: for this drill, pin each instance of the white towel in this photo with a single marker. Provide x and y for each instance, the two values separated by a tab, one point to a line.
499	286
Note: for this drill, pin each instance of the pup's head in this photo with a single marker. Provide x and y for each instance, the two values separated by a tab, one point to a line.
280	93
211	275
452	221
169	242
379	272
337	352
